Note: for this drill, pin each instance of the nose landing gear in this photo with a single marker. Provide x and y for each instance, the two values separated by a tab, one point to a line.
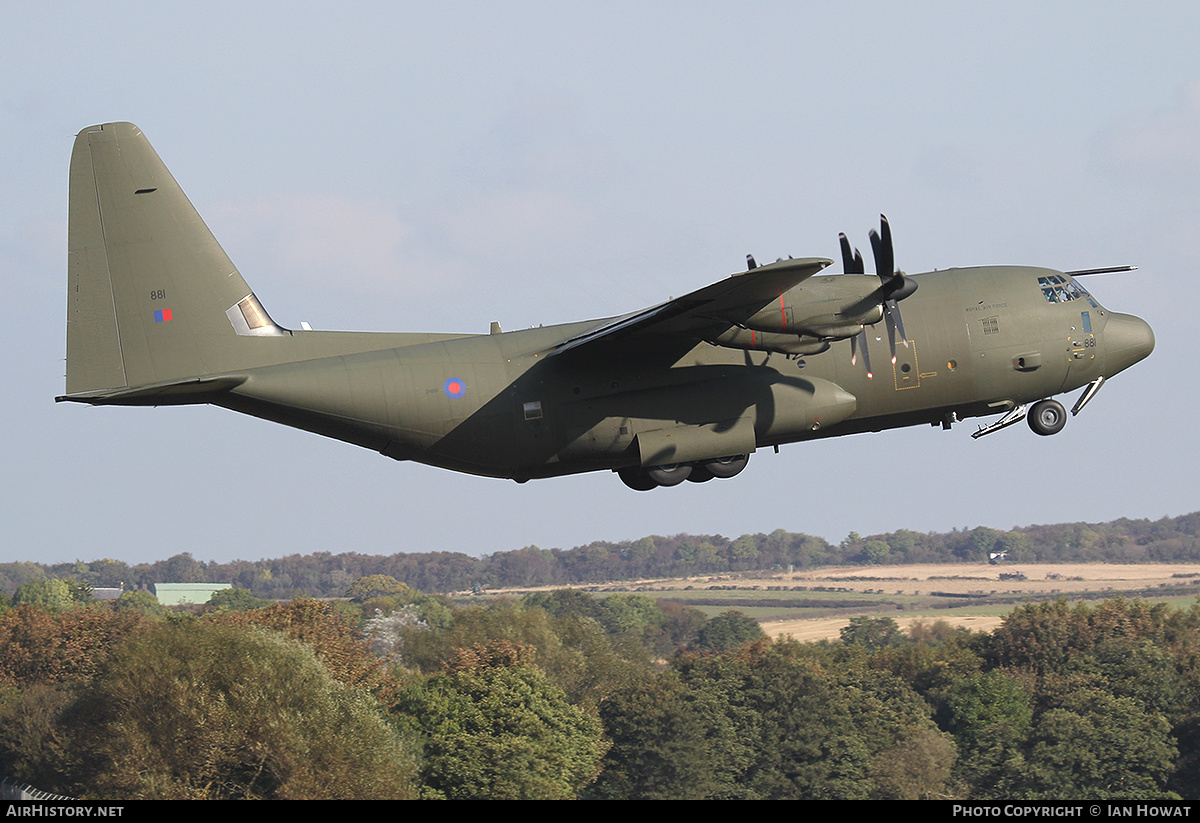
1047	417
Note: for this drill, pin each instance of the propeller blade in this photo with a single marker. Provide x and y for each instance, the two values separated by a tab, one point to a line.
881	246
852	262
894	285
895	308
891	328
860	340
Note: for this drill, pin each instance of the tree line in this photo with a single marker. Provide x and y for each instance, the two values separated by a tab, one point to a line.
327	574
397	693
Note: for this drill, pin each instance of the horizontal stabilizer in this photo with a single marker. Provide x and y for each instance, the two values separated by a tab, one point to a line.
188	390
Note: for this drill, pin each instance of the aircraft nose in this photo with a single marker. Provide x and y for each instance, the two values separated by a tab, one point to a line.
1127	339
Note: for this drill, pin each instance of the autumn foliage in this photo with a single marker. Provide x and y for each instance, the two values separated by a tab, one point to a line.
569	695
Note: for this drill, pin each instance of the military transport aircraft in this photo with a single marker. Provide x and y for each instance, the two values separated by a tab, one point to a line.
685	390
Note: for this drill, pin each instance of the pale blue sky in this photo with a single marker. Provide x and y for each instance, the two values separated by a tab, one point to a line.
435	167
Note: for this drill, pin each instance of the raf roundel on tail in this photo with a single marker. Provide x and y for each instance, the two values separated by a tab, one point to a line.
780	353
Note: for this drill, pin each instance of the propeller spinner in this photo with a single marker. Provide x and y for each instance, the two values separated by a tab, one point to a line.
894	285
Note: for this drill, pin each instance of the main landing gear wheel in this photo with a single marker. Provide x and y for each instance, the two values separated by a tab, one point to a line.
726	466
670	475
1047	417
636	480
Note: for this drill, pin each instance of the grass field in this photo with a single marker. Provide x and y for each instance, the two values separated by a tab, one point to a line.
817	604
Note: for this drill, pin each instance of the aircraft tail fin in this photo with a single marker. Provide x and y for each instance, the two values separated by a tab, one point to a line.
151	297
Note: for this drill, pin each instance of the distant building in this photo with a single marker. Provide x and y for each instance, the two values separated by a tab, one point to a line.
107	592
178	594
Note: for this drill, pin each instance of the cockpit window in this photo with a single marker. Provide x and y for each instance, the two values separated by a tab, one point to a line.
1058	288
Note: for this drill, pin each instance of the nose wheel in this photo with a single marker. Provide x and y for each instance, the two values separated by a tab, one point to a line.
1047	417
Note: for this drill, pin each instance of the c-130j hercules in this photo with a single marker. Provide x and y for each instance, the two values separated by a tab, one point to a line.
685	390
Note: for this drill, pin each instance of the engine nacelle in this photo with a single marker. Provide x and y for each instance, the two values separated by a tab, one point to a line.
836	307
736	337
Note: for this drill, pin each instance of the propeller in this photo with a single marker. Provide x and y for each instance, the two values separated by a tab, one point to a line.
894	285
857	340
852	263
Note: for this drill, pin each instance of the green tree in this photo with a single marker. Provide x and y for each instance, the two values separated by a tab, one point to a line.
140	601
632	615
981	541
990	716
381	595
669	742
872	632
975	709
876	551
15	575
813	722
681	627
235	600
335	641
918	767
498	731
52	595
573	651
728	630
1092	744
565	603
743	552
1140	669
201	710
376	585
182	568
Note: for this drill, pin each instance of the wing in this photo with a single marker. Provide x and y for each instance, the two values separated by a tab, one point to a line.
707	312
